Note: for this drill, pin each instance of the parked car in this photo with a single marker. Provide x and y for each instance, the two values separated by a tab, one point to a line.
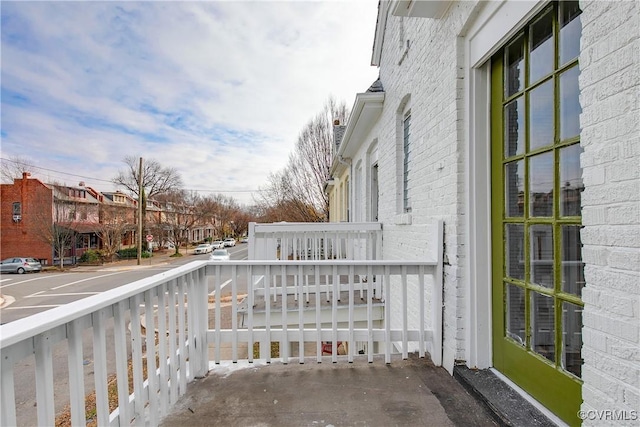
229	241
244	240
217	244
220	255
20	265
204	248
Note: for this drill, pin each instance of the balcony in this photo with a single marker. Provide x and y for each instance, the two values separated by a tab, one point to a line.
328	301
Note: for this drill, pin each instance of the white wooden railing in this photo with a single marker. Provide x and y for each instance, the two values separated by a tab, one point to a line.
321	240
303	307
175	302
176	330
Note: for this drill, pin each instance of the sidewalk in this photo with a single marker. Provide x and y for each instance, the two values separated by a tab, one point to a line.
158	258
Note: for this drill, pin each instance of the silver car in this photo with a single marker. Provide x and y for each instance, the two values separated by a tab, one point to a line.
204	248
20	265
220	255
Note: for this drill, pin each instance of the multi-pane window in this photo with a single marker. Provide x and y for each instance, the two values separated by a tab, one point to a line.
406	144
543	269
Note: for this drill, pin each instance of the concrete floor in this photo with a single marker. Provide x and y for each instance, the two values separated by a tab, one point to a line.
410	392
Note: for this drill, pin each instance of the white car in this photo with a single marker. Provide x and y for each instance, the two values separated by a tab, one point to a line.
204	248
219	255
229	241
217	244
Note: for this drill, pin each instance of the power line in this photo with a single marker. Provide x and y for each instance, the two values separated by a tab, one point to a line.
209	190
55	171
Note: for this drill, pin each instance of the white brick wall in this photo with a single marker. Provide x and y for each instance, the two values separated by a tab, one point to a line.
431	73
610	83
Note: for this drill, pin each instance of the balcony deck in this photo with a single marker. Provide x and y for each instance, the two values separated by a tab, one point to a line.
376	389
166	342
410	392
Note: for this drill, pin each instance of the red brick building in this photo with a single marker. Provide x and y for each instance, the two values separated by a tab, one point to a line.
26	206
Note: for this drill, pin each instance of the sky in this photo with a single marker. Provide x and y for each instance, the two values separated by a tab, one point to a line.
218	90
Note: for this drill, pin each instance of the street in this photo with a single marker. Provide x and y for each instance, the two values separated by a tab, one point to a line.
27	294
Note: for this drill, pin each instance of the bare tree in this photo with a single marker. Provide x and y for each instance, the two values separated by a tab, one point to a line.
240	223
51	222
221	210
182	211
301	184
285	200
14	167
114	222
156	180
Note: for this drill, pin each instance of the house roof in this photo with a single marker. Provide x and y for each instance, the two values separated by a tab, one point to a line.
61	192
82	227
364	114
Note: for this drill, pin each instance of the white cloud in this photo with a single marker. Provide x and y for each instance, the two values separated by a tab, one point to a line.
218	90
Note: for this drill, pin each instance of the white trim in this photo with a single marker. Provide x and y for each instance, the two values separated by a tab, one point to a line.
494	24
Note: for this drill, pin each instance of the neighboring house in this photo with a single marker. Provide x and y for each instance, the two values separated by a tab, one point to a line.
516	123
26	205
120	206
364	204
77	209
29	210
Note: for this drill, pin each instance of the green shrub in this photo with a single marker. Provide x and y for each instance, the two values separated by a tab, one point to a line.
91	256
130	253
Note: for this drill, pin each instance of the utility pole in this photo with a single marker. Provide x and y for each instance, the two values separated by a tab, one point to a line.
140	201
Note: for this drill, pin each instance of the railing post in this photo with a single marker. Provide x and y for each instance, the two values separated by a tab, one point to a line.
251	252
44	379
8	397
436	299
200	324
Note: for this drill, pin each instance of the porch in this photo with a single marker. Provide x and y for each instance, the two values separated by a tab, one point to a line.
165	341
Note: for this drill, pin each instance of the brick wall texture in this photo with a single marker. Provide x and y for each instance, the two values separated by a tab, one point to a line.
422	71
610	121
22	238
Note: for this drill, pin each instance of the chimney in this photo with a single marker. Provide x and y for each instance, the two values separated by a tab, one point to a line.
338	133
26	175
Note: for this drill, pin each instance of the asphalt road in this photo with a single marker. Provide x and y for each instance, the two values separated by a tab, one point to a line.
27	294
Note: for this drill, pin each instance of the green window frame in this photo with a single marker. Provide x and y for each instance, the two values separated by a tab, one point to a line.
538	272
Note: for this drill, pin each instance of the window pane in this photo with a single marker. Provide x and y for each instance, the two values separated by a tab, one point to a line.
572	265
570	31
572	338
541	172
514	181
407	162
541	57
541	108
514	128
515	67
514	251
569	104
515	324
571	181
541	256
543	326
